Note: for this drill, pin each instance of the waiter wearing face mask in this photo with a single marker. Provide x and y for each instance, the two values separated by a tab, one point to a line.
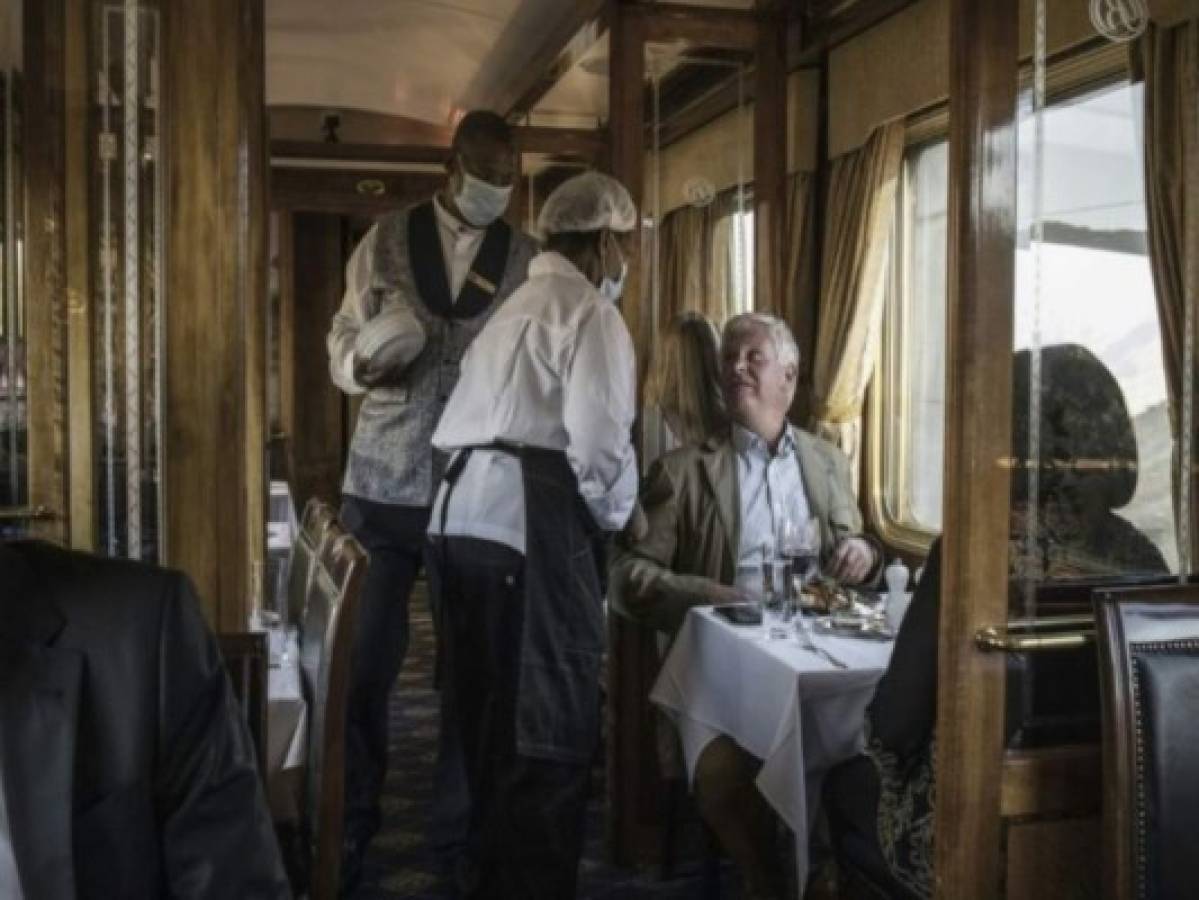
419	287
539	426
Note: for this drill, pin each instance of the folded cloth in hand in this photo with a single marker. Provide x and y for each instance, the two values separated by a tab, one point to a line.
391	340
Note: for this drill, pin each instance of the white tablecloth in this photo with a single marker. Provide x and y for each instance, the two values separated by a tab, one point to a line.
787	706
286	729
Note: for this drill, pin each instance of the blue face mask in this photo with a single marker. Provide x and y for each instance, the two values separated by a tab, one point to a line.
611	288
481	202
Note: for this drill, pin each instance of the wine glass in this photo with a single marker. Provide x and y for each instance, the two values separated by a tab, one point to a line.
798	540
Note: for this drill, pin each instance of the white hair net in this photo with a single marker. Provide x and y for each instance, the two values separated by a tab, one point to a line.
588	202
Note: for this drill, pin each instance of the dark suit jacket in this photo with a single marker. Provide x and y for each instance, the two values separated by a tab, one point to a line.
126	764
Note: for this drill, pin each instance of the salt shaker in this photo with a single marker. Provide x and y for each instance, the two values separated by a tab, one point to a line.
896	576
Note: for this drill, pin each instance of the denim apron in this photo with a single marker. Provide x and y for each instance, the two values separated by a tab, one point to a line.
562	633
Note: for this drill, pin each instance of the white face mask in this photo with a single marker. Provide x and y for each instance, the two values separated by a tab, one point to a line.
611	288
481	202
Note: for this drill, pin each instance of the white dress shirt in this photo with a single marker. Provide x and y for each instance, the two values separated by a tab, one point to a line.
769	484
459	245
10	884
553	368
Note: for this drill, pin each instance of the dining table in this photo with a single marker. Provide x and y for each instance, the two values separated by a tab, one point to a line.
795	709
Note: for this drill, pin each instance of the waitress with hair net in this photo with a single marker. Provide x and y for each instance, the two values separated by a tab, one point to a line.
539	425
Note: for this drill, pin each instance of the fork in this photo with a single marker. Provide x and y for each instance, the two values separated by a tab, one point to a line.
806	643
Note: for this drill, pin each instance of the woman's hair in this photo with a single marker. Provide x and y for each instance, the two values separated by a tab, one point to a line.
684	378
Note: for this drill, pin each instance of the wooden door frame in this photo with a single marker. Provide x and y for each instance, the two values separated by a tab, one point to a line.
979	332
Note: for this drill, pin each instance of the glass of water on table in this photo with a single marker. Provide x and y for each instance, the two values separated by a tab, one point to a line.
777	608
798	539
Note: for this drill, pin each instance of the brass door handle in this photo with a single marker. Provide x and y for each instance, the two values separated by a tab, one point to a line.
1025	640
26	513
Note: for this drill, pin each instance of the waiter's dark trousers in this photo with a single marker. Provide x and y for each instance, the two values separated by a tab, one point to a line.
394	536
526	816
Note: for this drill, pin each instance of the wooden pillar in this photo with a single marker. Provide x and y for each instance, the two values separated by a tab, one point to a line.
215	287
770	158
982	223
634	784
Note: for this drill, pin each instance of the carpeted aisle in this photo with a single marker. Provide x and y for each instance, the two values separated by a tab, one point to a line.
400	864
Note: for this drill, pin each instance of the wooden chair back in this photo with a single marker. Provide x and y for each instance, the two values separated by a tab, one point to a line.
1149	671
246	658
326	641
315	525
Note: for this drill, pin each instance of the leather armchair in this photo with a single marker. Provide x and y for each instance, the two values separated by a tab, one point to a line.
1149	669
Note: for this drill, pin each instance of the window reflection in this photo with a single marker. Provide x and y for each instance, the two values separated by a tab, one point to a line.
1096	291
14	411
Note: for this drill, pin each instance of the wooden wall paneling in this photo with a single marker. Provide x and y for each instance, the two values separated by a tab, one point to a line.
80	412
376	153
703	26
319	420
633	782
1056	781
770	157
1058	858
350	192
586	143
214	294
44	154
979	328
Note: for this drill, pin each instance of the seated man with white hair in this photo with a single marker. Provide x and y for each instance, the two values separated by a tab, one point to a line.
540	427
710	509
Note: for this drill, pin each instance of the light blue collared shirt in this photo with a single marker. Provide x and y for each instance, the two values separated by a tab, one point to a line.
769	486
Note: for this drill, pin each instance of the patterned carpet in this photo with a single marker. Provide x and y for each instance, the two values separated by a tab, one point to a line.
400	863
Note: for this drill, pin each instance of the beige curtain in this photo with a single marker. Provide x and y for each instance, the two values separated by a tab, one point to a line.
799	282
860	207
694	260
1167	59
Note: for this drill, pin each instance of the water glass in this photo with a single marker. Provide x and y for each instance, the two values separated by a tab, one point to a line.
778	608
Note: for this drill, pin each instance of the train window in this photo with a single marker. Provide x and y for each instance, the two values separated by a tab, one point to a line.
741	254
1095	289
912	370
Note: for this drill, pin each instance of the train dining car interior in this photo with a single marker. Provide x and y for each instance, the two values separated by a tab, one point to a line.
538	449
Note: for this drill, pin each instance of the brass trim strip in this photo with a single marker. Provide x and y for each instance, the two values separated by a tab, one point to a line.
1084	621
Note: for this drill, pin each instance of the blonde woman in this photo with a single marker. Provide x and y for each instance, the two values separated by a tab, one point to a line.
682	391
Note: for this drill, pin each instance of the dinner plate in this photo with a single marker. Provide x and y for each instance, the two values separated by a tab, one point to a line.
871	628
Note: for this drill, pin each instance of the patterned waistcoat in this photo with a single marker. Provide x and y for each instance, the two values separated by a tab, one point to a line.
391	455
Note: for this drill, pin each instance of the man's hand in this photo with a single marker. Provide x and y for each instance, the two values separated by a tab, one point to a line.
852	560
368	377
726	593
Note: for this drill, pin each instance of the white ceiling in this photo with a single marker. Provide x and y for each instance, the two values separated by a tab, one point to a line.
425	60
411	58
